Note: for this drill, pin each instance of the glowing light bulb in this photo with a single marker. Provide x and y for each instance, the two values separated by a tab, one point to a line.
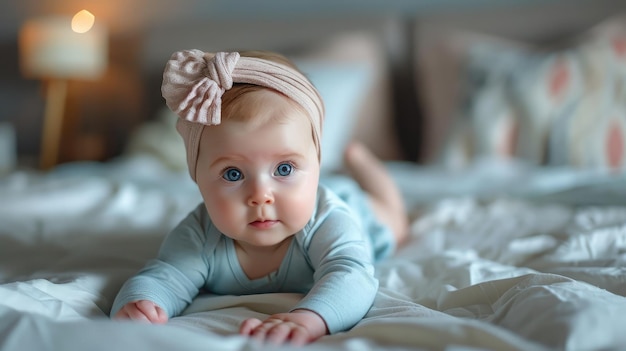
83	21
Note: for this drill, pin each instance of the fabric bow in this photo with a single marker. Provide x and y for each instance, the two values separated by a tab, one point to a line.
194	82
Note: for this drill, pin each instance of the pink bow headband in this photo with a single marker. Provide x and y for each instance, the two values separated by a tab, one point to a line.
194	81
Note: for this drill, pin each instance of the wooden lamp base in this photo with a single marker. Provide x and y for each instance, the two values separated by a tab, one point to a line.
56	94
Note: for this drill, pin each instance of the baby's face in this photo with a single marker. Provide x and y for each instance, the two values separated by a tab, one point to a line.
259	180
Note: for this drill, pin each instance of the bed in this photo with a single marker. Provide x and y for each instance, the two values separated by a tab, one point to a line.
527	269
517	236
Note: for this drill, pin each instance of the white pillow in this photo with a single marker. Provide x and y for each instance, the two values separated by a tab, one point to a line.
343	88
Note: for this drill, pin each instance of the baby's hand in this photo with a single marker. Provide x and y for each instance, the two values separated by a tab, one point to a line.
142	310
298	327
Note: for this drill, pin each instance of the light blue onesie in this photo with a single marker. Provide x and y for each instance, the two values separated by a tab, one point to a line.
330	261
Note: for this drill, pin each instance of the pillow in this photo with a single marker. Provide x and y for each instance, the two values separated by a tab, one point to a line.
343	88
590	133
444	80
549	107
571	101
158	138
526	89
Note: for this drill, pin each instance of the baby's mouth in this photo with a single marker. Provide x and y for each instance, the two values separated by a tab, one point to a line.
263	223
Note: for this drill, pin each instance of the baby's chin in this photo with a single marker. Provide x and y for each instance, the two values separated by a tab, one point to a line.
258	236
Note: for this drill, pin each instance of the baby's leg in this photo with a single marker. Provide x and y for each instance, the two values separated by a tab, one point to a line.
384	195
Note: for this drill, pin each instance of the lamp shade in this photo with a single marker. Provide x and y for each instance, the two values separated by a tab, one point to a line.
49	48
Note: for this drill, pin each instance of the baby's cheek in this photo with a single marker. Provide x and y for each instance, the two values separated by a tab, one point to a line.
301	207
227	220
222	210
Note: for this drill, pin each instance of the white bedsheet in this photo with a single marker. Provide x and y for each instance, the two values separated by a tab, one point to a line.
499	273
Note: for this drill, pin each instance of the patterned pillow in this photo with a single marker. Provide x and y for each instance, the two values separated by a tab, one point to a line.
562	107
591	133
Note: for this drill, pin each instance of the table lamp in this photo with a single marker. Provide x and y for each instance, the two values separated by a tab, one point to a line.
55	50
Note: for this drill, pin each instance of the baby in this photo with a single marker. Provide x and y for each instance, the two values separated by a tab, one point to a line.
251	124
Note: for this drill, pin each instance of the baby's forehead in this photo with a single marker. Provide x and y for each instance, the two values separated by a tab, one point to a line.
258	139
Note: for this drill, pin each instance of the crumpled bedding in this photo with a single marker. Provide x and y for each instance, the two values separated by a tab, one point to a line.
483	273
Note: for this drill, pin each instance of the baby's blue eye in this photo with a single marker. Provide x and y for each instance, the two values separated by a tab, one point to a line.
232	175
283	170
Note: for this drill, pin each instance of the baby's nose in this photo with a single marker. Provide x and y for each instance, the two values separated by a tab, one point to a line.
260	194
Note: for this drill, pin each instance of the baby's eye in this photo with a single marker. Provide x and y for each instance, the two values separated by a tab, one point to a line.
232	175
283	170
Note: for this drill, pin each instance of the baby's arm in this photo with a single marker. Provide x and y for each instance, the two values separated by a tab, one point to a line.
143	310
173	279
298	327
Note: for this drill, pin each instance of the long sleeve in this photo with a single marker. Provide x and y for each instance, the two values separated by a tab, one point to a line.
174	278
344	283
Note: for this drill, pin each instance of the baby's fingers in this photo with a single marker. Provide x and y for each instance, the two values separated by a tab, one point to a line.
278	333
122	314
299	337
249	325
133	313
151	311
